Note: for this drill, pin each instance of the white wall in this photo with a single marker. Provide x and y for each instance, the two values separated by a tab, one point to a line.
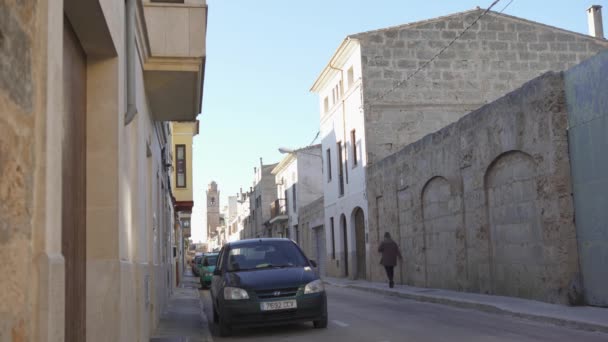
336	125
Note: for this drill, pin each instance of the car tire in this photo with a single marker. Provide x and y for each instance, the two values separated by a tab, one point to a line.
216	318
224	327
321	323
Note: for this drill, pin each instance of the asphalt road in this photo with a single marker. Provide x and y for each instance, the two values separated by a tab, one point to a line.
361	316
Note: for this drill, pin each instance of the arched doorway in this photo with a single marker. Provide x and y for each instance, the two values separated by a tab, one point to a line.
344	243
510	187
359	223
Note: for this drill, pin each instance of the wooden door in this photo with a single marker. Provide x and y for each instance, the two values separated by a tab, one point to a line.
74	185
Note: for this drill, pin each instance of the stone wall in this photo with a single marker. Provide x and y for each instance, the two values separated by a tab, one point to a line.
495	56
484	204
18	105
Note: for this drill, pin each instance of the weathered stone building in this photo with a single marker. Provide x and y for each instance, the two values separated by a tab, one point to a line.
367	113
86	210
484	204
213	212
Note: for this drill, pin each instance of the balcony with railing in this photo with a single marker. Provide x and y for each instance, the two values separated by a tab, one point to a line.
278	211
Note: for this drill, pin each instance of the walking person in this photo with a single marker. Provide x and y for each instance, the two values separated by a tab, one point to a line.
390	253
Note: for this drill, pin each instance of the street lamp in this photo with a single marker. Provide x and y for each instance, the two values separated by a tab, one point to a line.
285	150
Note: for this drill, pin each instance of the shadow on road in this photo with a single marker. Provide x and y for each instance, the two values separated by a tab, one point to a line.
261	333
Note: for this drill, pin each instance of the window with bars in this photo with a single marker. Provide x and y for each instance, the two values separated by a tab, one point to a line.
340	169
333	241
328	159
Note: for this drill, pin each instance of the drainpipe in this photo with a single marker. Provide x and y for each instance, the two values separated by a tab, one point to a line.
130	60
343	121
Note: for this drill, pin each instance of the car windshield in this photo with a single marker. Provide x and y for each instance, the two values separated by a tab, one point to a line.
265	254
198	259
210	260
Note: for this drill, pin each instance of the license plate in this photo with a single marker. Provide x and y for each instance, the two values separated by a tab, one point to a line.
279	305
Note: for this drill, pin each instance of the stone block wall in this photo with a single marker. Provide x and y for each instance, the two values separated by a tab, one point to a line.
484	204
496	55
18	104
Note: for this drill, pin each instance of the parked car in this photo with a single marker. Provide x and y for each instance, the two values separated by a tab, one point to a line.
207	267
260	282
195	265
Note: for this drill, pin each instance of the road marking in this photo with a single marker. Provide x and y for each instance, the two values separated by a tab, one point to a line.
342	324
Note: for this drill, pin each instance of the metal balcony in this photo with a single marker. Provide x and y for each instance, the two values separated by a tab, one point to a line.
278	211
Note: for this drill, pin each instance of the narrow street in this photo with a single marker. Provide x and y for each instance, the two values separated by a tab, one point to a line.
361	316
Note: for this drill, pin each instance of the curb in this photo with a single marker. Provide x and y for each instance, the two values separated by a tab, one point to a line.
205	322
489	308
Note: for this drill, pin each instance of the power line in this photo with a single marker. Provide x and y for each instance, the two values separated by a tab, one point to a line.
402	82
315	139
504	8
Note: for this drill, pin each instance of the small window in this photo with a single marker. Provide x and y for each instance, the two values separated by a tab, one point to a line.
326	105
333	96
180	154
333	241
350	77
328	158
353	141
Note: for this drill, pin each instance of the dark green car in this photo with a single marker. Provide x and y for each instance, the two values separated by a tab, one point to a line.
261	282
206	268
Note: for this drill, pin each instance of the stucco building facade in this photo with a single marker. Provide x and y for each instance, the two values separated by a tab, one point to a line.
86	204
299	182
182	134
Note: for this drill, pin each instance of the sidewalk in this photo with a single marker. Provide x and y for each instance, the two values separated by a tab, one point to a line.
184	319
580	317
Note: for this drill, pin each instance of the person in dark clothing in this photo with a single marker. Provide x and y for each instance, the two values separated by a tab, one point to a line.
390	253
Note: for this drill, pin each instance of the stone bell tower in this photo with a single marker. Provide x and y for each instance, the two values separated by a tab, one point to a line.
213	210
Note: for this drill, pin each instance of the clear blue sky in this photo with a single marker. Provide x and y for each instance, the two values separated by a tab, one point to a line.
263	56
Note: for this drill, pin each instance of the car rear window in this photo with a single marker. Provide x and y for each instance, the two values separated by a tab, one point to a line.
265	254
211	260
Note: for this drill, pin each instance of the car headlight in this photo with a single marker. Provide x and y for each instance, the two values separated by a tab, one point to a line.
234	293
314	287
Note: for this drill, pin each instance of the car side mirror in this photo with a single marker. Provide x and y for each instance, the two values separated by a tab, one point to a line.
217	272
313	263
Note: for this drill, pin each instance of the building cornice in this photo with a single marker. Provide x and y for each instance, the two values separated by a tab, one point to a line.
338	60
283	164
